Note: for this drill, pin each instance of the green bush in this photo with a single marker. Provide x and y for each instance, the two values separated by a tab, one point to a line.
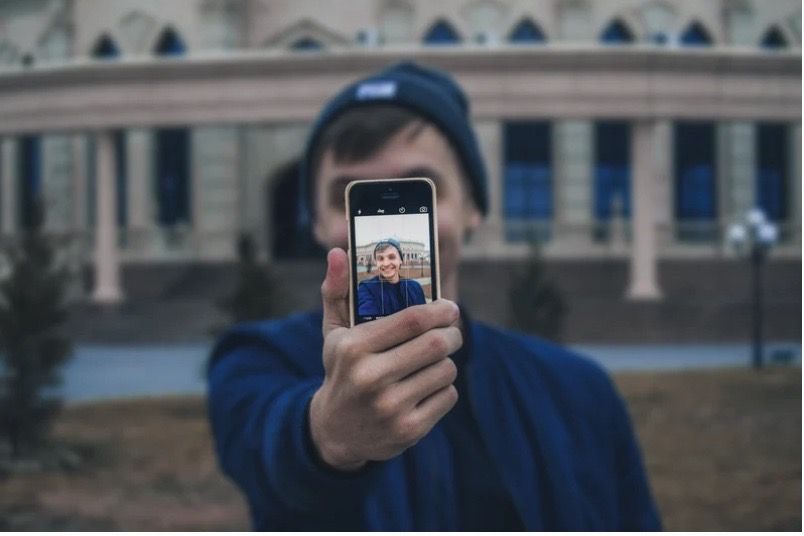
32	345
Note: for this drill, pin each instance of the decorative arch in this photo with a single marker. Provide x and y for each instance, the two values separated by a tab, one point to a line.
306	34
105	48
8	52
526	31
696	34
170	43
396	22
658	19
617	32
441	32
137	30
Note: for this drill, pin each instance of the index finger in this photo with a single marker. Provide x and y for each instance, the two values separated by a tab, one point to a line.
387	332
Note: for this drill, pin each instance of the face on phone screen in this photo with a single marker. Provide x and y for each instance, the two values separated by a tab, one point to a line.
392	253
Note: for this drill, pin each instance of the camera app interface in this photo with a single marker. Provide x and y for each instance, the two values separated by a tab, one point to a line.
392	262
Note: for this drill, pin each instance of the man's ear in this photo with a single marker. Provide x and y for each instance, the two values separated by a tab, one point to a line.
472	220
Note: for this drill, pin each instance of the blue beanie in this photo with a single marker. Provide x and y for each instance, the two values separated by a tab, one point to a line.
429	93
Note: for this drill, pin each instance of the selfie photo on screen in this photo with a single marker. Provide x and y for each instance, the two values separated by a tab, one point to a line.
392	263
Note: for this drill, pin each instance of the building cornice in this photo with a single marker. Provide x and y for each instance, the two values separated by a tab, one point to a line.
553	82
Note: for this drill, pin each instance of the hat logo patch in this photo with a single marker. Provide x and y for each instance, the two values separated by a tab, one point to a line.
376	90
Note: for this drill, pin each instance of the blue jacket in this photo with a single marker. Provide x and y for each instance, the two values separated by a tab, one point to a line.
554	426
378	298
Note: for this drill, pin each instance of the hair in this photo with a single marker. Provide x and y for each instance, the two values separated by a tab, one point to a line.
361	132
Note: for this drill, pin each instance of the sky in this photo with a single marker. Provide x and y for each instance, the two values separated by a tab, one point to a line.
403	227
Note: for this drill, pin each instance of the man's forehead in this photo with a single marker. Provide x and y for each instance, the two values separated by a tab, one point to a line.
398	158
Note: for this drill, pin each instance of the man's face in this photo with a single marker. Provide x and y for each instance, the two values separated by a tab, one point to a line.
424	154
388	264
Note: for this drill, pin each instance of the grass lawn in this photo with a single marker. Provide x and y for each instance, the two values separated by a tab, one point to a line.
723	449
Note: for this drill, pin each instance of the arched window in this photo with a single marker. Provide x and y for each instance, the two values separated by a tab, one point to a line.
526	31
696	35
773	38
105	48
441	33
306	44
172	153
169	44
616	33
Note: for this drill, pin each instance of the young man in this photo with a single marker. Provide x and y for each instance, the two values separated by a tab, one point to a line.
422	420
387	292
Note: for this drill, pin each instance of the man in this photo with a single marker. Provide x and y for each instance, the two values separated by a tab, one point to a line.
387	292
422	420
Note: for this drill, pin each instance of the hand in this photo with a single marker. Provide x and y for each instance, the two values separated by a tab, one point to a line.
386	382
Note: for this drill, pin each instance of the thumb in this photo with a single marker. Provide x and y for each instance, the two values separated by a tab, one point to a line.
335	292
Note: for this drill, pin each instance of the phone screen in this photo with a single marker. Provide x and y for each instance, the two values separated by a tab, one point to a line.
393	246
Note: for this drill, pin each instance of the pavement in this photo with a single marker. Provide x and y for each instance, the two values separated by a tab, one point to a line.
101	372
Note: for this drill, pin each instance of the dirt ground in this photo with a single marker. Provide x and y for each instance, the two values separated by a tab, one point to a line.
723	450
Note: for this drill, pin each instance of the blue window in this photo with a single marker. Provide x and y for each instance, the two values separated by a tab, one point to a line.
30	176
696	36
441	33
172	154
105	48
773	38
526	31
306	44
695	180
772	172
612	190
528	199
616	33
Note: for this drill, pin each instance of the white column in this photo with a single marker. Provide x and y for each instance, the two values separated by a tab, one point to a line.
643	283
107	264
8	160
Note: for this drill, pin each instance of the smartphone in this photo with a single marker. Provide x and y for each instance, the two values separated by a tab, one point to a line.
393	246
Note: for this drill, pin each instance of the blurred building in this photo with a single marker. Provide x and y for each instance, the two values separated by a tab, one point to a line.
627	133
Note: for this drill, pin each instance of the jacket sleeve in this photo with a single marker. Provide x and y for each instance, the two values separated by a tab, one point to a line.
259	415
637	509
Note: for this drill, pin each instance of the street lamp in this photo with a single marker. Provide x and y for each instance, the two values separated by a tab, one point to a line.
755	235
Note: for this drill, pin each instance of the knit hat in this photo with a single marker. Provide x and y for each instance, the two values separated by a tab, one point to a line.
385	243
429	93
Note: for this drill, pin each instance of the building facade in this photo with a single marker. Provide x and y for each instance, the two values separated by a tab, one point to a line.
624	129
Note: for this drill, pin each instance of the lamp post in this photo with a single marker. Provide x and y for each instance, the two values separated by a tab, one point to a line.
755	235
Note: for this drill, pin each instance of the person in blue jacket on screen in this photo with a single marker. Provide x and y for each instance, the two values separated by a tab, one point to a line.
387	292
423	419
